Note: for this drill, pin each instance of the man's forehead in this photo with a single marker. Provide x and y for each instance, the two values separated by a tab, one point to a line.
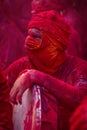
34	30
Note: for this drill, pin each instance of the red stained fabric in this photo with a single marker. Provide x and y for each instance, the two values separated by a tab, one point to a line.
43	113
50	21
34	115
74	72
45	57
49	54
5	106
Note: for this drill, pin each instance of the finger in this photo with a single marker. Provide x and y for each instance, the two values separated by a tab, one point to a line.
20	94
13	95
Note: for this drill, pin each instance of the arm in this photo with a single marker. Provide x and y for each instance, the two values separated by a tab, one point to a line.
5	106
65	93
13	71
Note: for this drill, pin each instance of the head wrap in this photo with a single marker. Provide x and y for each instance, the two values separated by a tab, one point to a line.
50	53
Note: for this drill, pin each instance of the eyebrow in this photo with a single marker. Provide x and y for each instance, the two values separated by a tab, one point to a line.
36	31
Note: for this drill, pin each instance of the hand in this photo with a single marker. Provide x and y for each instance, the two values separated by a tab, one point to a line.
78	121
23	82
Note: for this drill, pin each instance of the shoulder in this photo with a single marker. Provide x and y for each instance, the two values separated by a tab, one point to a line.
81	65
77	63
18	65
77	69
13	71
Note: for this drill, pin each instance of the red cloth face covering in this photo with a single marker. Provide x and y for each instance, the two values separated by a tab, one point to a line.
48	54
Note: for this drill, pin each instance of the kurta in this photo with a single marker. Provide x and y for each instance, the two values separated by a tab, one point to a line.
61	102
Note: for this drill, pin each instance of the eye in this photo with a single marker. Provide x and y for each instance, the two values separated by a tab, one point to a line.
35	36
35	33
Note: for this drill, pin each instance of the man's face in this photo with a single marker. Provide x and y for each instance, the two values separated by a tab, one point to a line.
34	35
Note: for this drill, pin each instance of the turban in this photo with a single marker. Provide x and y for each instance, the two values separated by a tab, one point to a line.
50	21
50	53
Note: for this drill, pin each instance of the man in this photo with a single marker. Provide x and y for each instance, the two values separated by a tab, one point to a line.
67	10
62	78
5	106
